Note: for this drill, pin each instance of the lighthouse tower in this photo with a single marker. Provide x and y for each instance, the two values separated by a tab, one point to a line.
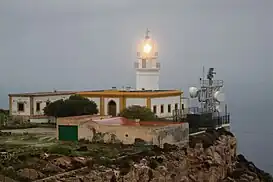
147	67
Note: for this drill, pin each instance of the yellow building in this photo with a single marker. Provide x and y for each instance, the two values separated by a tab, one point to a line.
111	102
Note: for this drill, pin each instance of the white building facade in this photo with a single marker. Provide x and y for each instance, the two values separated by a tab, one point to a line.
162	103
33	104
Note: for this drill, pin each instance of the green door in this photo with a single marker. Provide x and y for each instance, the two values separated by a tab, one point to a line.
68	133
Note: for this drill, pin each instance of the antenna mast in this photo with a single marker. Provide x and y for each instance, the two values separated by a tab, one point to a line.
208	88
147	34
203	72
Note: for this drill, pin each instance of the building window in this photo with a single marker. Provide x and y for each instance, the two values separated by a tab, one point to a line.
38	104
154	109
182	107
169	108
143	63
21	107
162	108
176	107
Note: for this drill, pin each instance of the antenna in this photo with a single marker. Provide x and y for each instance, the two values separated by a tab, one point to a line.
209	95
203	72
147	34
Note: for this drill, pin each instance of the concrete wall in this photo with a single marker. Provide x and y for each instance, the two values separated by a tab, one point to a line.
165	102
156	135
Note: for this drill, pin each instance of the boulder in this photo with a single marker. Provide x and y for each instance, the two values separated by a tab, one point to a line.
30	174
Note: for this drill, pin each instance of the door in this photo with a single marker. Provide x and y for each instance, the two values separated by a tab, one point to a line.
68	133
112	108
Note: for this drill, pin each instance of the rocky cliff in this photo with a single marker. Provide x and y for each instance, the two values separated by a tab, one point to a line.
210	157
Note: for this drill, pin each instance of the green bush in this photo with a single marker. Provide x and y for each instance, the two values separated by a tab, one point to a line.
75	105
60	149
138	112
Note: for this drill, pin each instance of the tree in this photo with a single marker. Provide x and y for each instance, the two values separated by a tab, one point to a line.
75	105
138	112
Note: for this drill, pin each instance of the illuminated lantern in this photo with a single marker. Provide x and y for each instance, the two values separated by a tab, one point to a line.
147	48
147	66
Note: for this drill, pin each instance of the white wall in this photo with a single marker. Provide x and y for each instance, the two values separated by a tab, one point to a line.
26	100
149	80
15	101
43	120
96	100
136	101
107	100
43	100
165	101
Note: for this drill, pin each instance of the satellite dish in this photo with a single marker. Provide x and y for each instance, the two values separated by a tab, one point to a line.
219	96
218	108
193	92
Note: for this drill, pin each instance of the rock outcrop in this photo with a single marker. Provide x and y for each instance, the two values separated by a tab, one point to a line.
246	171
211	157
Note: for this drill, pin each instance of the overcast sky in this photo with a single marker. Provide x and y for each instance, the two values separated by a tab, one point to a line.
80	45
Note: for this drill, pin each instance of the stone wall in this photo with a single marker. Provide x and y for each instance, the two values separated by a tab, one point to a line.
177	134
155	135
20	119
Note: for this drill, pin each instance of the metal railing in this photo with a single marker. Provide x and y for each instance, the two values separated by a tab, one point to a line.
215	83
199	120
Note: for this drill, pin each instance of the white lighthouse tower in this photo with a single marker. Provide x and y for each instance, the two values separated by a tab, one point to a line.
147	67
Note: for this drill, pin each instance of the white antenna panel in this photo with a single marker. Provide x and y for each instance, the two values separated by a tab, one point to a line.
218	108
193	92
219	96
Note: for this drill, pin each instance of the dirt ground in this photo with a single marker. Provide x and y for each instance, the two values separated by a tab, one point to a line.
30	137
48	131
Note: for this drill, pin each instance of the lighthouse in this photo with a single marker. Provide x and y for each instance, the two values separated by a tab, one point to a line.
147	66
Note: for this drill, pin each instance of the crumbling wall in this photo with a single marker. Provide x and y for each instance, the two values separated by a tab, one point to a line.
156	135
175	134
115	133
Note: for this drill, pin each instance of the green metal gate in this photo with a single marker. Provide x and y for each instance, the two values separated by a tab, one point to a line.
68	133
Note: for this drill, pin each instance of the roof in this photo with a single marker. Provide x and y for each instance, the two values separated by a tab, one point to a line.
131	93
77	120
107	120
43	93
106	93
125	122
